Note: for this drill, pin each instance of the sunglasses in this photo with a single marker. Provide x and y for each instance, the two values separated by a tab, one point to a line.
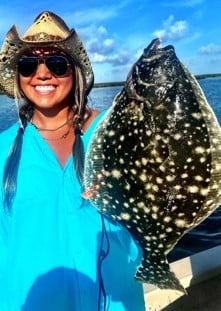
57	64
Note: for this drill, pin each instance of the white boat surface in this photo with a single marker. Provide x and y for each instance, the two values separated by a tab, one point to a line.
200	274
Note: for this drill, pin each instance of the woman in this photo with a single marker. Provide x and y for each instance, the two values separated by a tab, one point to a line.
57	251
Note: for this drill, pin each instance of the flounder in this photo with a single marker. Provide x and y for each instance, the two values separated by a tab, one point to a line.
154	161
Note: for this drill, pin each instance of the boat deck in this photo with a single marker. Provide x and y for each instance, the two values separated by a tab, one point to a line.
200	274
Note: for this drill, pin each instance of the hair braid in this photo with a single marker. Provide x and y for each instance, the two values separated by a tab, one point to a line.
11	166
81	114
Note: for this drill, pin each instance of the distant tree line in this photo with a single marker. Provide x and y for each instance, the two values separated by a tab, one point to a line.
121	83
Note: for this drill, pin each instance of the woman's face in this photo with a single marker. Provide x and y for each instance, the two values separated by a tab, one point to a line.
46	90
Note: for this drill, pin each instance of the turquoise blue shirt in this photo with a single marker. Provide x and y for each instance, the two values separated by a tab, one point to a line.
53	245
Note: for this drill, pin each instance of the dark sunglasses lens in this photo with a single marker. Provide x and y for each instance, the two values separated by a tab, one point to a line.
58	65
27	66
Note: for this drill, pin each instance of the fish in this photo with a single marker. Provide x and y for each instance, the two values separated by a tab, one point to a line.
154	161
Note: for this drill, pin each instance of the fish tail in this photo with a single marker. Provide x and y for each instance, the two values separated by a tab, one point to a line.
160	276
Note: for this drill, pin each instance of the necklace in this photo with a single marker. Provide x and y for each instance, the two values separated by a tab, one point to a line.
65	135
51	130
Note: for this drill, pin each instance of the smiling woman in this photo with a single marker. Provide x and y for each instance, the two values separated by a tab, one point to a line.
58	253
47	82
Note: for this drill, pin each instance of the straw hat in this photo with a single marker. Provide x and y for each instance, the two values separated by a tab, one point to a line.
48	30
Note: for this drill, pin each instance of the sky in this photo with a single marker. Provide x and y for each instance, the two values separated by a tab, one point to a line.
115	33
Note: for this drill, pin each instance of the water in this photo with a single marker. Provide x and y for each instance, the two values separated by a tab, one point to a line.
208	233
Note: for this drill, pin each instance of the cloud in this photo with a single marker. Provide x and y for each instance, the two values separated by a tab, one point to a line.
102	30
98	41
98	14
104	47
121	58
172	30
86	16
211	48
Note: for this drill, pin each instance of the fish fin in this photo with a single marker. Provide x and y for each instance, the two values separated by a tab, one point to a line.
159	274
90	193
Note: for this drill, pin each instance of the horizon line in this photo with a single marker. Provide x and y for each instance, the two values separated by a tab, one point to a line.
120	83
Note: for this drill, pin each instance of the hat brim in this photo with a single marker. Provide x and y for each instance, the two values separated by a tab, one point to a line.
13	47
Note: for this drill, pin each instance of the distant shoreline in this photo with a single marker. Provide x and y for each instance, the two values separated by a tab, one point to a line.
121	83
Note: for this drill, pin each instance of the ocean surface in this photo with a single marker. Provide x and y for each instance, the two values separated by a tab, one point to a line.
205	235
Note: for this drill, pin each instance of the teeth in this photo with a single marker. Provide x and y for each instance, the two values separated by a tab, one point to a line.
44	88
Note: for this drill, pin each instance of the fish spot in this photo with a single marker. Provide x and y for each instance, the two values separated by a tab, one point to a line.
133	171
169	229
138	163
125	216
184	176
162	235
193	189
180	196
155	188
139	230
131	200
202	159
141	205
204	191
199	149
189	160
121	161
181	223
127	187
197	115
158	137
177	136
154	216
187	125
159	160
143	177
160	245
159	180
147	238
167	219
170	178
198	178
148	133
111	133
99	141
177	187
155	209
171	163
144	161
116	173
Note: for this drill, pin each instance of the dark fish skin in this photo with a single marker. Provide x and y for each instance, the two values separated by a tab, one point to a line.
154	161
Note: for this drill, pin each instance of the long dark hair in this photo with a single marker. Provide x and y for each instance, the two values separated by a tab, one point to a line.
78	102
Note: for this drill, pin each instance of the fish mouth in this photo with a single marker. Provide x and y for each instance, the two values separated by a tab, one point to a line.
156	47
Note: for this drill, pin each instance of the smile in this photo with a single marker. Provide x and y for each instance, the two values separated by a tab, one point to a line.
44	88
